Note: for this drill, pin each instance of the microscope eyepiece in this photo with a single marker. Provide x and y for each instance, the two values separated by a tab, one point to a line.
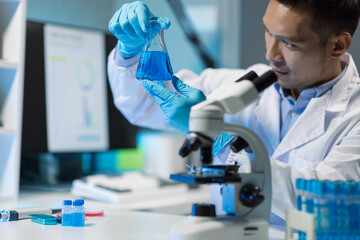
264	80
249	76
196	141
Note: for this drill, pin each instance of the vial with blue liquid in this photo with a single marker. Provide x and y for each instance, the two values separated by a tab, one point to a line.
78	213
66	213
154	63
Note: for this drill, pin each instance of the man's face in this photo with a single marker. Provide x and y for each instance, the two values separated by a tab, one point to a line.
293	48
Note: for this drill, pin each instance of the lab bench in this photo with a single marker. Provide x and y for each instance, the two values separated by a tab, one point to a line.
148	219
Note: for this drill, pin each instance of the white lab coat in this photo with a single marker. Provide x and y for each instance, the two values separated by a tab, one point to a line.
324	143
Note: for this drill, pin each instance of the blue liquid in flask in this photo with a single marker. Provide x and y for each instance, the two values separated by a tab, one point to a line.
154	65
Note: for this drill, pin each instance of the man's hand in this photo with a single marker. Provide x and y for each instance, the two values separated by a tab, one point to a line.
131	24
175	106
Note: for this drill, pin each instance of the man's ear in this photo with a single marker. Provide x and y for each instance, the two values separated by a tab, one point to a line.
340	43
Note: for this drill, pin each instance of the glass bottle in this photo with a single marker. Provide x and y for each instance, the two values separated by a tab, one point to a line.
66	213
78	213
154	61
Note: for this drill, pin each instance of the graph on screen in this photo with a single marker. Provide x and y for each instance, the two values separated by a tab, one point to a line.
75	89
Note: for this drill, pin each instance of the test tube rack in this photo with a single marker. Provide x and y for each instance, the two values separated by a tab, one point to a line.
325	210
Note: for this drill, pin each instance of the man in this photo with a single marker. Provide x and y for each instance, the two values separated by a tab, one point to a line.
309	120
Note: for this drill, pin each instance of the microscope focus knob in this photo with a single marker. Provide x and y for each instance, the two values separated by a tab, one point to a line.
251	195
203	210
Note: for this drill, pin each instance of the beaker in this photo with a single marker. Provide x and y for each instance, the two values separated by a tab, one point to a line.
154	61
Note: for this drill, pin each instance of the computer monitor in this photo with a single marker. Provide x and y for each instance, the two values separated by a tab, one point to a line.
68	105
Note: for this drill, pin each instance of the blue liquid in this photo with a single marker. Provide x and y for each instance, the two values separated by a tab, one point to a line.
154	65
299	203
66	219
302	235
78	219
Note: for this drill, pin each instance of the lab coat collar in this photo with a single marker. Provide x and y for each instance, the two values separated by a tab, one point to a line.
340	95
312	122
308	126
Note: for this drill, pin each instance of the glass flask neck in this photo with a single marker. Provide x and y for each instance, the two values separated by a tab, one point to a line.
157	43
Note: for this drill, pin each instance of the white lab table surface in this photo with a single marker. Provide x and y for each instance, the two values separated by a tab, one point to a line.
146	220
172	204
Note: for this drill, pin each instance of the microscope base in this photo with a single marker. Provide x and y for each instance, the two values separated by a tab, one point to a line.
215	228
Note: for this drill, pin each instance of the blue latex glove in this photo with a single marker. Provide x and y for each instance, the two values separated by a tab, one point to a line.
221	142
131	25
175	106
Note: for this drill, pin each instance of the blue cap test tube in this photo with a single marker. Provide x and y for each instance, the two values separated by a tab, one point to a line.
300	182
345	198
310	187
318	188
354	209
300	186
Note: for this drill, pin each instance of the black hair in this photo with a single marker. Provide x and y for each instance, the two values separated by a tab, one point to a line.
329	16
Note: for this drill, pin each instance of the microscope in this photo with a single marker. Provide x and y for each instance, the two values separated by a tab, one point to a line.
246	197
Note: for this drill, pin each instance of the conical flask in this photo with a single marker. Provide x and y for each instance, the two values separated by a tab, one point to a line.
154	61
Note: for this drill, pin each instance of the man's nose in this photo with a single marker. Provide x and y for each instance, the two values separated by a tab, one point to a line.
273	53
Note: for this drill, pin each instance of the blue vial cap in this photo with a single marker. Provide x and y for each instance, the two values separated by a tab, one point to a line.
321	187
338	187
313	184
78	202
317	187
67	202
345	188
299	184
307	185
330	187
357	188
352	186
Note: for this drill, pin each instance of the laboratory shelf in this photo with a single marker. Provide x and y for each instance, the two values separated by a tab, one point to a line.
12	55
7	73
7	12
6	132
11	30
7	64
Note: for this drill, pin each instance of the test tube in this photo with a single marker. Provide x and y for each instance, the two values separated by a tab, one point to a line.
343	208
353	213
340	194
357	210
300	186
328	212
320	208
309	187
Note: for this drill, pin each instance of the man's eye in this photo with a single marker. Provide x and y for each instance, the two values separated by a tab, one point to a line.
290	45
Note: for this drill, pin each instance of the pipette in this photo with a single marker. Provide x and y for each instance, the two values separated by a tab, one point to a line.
23	213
